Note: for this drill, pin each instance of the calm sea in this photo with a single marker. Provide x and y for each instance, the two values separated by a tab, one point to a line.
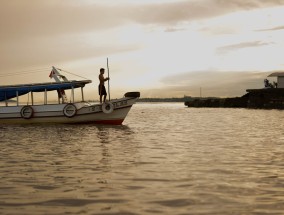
165	159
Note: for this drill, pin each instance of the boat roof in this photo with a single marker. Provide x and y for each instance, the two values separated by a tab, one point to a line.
276	74
10	91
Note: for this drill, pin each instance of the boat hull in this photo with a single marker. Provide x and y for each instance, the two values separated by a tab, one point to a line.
80	112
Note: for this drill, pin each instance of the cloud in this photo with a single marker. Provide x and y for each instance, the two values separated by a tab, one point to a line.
218	30
40	31
171	29
31	18
229	48
273	29
57	50
212	83
187	11
175	12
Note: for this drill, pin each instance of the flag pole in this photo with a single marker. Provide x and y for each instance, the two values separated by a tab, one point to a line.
108	80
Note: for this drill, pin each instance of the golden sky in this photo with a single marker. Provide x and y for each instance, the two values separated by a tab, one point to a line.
163	48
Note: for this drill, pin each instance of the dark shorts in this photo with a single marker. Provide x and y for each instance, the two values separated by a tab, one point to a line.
103	90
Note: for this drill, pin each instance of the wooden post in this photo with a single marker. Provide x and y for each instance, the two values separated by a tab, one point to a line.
108	81
82	92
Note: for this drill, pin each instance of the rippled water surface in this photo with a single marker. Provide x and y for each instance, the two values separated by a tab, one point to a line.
165	159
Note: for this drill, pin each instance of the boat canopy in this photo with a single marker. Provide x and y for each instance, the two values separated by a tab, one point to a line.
12	91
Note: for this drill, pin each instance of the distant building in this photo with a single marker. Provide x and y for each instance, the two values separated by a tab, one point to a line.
280	78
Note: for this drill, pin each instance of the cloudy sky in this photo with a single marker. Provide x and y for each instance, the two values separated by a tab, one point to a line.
163	48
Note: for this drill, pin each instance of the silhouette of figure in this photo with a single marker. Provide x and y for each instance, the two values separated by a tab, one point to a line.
102	89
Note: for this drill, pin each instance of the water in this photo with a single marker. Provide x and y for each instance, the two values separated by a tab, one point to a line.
165	159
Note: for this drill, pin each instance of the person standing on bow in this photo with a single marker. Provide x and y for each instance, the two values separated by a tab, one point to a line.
102	89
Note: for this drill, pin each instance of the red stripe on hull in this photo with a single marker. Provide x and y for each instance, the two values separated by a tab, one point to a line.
110	122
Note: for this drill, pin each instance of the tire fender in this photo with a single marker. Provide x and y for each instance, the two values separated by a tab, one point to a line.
69	110
27	112
107	107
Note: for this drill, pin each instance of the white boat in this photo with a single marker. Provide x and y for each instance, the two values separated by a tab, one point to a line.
111	112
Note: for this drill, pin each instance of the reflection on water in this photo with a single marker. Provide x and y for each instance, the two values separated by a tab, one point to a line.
165	159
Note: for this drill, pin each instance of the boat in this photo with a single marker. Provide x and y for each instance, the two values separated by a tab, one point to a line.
112	112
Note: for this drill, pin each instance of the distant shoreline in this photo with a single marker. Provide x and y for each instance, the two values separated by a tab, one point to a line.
183	99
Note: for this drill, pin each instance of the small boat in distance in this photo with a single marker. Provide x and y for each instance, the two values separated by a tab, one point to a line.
112	112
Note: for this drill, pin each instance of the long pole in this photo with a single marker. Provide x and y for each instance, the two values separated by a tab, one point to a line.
108	80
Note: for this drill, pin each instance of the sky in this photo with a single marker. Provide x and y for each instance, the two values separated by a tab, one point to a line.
162	48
